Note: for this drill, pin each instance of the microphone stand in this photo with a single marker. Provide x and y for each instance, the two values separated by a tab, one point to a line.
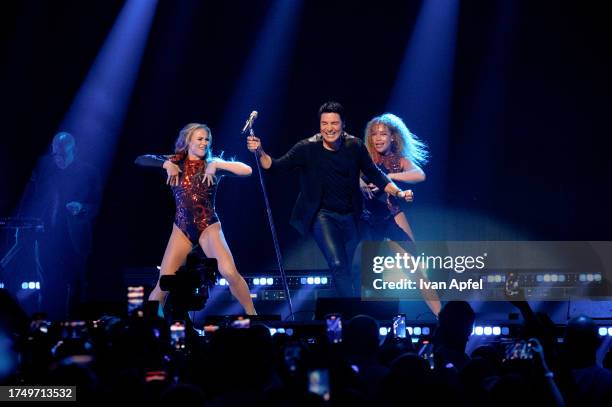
279	258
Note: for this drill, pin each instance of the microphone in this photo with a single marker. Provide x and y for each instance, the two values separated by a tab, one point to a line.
249	123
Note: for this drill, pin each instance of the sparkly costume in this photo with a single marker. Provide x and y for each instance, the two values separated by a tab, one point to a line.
378	215
378	210
195	200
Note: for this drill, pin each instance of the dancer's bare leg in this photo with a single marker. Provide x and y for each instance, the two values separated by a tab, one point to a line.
430	296
214	246
175	255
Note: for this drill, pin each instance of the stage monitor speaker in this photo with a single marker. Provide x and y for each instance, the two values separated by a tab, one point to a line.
349	307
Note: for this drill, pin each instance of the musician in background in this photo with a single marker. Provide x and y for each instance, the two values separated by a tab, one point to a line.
67	193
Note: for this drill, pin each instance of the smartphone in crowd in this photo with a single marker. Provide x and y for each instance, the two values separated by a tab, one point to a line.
318	383
292	356
135	301
399	326
521	349
74	329
241	323
334	328
177	335
426	352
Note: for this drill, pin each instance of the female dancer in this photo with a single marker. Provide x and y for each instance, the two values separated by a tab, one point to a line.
193	175
399	154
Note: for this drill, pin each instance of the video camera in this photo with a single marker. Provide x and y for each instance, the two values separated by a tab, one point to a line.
188	288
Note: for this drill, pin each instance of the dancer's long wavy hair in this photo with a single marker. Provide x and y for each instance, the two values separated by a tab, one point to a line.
403	142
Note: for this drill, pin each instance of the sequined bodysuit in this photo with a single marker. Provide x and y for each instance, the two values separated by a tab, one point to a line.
376	210
195	200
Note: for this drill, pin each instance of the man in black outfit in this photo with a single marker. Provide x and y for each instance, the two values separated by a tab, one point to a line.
329	203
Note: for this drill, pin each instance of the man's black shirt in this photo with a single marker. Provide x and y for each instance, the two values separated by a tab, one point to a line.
328	179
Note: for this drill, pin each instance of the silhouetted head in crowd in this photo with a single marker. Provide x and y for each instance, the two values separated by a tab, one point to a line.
407	371
455	324
581	342
360	336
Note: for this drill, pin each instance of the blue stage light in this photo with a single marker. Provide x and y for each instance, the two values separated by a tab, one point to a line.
270	281
323	280
487	330
256	281
505	330
603	331
310	280
426	330
382	331
317	280
478	330
417	330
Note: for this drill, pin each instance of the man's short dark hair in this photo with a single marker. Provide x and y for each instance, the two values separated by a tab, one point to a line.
332	107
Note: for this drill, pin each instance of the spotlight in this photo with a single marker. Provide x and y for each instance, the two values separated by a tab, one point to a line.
270	281
382	331
478	330
487	330
323	280
496	330
603	331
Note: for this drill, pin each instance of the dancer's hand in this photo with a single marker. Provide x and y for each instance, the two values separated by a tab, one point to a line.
406	195
173	171
209	175
253	143
365	189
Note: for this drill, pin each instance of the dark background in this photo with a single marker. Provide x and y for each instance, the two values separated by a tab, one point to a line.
527	153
